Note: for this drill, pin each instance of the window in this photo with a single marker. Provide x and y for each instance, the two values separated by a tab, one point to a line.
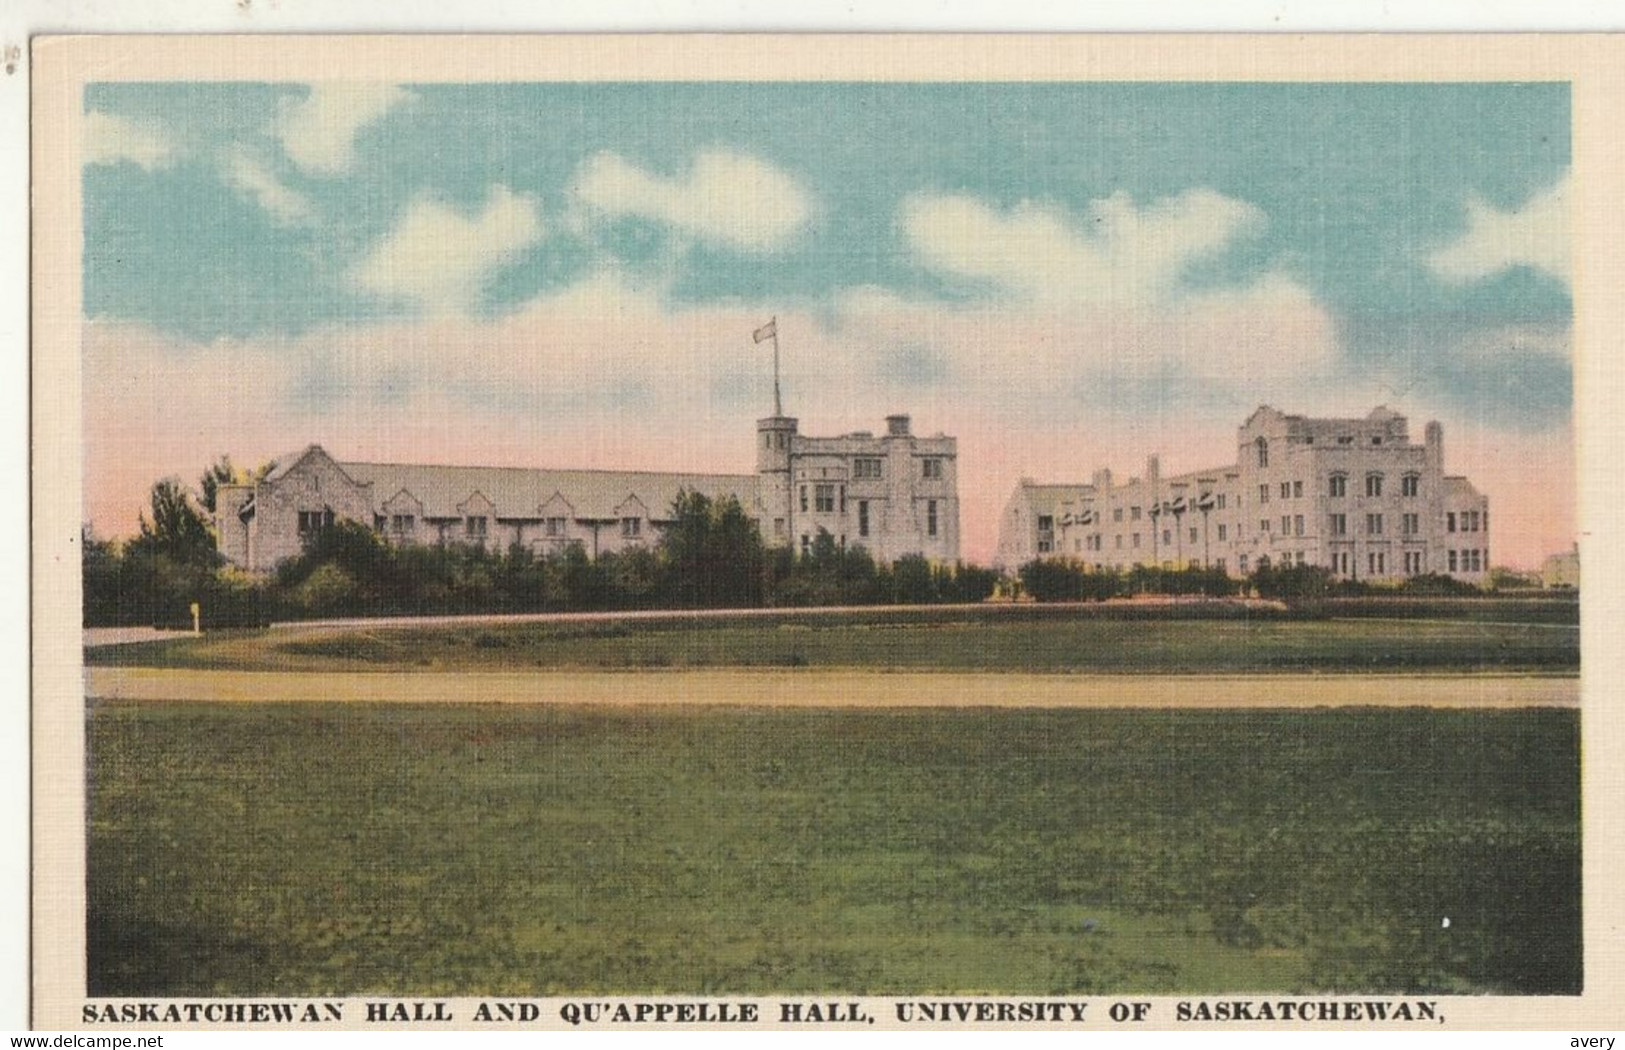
1263	452
1410	485
1413	563
778	440
1450	521
1222	533
1452	561
803	499
1340	562
402	523
1297	490
1297	524
1376	440
1286	490
1339	485
309	522
378	522
778	527
806	544
1478	566
555	526
1046	523
1167	537
863	517
1373	524
1339	525
1134	541
1134	513
1373	485
1221	501
824	499
1410	524
1375	563
1193	536
631	528
1218	563
866	467
476	528
930	468
1263	493
1117	513
1286	524
1345	439
1263	524
1242	561
1119	541
930	517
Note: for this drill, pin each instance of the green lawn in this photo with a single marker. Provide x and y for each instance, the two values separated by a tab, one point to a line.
943	640
324	849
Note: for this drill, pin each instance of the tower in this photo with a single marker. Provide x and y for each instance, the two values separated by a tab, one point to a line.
775	441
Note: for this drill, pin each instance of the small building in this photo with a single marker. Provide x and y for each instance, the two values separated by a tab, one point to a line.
1561	571
1354	495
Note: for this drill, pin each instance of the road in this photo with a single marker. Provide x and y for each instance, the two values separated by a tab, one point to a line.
816	688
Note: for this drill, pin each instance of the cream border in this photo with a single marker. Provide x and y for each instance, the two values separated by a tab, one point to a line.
1595	65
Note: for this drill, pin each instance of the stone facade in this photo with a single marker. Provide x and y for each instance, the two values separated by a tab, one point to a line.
894	495
1354	495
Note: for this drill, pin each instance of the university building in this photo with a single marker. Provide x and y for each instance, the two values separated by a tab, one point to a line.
895	494
1354	495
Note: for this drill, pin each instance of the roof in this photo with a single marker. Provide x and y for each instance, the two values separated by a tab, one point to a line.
516	492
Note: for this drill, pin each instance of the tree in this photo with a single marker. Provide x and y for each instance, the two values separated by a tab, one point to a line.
713	554
177	529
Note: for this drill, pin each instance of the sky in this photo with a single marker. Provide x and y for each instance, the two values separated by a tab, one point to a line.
1063	276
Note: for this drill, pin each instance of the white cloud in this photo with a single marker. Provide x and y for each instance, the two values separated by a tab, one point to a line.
1535	234
726	198
1118	252
111	139
440	258
253	178
318	132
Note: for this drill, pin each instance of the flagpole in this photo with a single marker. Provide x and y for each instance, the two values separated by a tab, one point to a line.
778	404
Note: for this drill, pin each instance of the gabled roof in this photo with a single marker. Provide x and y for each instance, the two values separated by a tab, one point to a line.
520	493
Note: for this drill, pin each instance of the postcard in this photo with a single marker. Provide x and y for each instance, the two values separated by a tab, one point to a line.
795	531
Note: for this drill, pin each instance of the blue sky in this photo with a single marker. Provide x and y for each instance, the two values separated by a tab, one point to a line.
1016	253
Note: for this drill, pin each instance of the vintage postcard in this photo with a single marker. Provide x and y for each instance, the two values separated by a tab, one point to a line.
655	531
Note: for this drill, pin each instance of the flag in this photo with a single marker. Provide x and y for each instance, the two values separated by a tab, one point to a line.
1206	502
767	331
1179	505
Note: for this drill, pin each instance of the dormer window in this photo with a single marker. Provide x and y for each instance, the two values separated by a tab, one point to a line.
631	528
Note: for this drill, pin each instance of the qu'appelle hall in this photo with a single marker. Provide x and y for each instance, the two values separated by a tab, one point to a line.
1354	495
893	493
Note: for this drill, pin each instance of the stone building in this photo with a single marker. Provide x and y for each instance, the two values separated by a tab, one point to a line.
1354	495
893	495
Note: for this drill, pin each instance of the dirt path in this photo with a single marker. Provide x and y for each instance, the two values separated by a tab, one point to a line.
839	689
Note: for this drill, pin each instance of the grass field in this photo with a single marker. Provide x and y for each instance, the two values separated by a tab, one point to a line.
1042	641
426	849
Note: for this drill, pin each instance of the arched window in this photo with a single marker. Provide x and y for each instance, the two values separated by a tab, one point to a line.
1263	452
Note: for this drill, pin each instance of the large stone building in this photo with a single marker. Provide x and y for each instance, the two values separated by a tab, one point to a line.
894	495
1354	495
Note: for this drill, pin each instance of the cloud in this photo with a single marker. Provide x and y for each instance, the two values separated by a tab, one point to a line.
111	139
1535	234
729	199
1041	254
318	131
440	259
256	180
